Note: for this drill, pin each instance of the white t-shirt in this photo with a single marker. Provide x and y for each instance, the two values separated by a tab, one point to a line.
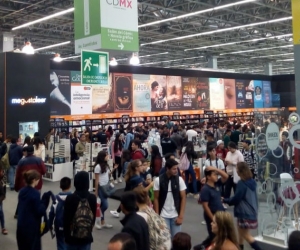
169	209
235	158
190	134
103	177
214	163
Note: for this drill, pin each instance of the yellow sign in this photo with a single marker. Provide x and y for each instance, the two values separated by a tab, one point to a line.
296	21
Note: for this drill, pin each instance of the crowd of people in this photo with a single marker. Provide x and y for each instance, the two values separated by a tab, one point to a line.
157	179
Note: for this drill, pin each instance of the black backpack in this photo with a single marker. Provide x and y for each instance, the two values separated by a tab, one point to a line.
83	221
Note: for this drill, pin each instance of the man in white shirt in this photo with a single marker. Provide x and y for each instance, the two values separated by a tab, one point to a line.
191	133
170	197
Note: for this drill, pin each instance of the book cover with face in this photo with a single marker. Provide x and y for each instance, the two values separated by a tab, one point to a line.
159	101
202	93
174	92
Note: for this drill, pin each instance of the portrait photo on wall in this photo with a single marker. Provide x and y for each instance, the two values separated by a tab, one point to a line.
229	95
158	93
174	92
60	94
123	92
203	98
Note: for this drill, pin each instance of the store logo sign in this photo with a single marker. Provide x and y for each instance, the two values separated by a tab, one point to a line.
120	3
31	100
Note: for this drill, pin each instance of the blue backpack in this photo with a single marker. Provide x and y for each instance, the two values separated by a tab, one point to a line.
59	214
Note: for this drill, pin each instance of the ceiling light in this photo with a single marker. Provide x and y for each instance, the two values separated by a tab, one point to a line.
113	62
54	45
173	60
44	18
28	49
286	60
163	53
57	58
134	60
253	50
233	43
196	13
285	54
71	57
219	31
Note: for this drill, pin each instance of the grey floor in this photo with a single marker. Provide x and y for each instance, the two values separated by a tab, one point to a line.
191	225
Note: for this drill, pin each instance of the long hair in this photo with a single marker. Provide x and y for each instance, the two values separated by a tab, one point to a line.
142	195
36	142
110	130
27	140
244	171
131	169
101	161
117	143
154	154
226	230
126	156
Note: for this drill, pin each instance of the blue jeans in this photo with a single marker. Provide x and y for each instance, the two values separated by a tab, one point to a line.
11	175
2	222
187	173
104	203
174	229
82	247
60	240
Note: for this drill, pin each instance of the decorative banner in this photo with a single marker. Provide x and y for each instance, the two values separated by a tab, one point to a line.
158	93
203	97
230	95
94	67
174	93
258	94
296	21
267	92
141	93
272	136
216	88
249	101
123	92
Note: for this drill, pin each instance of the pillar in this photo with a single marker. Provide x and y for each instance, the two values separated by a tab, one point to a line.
212	62
296	33
268	68
6	42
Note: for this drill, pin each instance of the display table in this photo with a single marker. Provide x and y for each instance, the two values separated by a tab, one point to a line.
268	245
58	171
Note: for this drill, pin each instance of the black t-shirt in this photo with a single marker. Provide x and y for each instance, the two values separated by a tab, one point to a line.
101	137
212	195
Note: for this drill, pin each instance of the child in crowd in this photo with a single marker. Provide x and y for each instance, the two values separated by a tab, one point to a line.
210	197
56	213
2	197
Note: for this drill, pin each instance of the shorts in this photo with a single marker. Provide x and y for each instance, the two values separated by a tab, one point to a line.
247	224
118	160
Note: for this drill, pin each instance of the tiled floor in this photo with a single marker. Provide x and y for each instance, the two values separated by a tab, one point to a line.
192	223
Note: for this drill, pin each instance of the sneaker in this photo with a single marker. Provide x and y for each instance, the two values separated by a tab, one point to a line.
4	231
106	226
114	213
116	181
98	226
120	180
225	206
196	196
189	195
203	222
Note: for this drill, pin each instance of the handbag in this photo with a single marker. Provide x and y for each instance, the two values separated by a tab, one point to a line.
107	190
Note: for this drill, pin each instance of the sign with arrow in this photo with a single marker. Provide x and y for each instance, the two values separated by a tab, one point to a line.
94	68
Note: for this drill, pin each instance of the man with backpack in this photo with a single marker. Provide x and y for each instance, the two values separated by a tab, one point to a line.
80	214
249	156
56	217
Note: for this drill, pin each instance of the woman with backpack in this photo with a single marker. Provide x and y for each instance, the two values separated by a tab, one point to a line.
159	233
116	153
189	153
156	161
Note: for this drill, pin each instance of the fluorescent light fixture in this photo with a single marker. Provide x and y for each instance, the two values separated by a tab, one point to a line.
163	53
174	60
285	54
134	60
113	62
53	45
286	60
196	13
253	50
233	43
220	30
71	57
44	18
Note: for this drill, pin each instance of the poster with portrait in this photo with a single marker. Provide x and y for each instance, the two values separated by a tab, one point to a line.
189	89
174	93
258	97
103	98
158	94
60	94
240	94
216	90
141	93
267	93
249	89
122	92
229	94
202	94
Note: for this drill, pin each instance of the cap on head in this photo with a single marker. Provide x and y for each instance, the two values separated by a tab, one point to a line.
247	141
219	142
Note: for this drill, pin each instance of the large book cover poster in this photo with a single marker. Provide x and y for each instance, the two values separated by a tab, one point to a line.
158	94
123	92
203	97
258	97
174	93
249	101
81	96
216	90
189	89
267	92
103	98
240	91
141	93
60	95
230	95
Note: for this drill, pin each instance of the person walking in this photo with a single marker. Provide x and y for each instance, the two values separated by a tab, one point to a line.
170	197
2	198
39	148
80	146
245	205
116	153
156	161
15	154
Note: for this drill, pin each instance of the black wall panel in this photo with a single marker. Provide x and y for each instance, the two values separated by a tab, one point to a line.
2	92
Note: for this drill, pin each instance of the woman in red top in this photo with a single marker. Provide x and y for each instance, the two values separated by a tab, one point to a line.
156	161
109	132
221	151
